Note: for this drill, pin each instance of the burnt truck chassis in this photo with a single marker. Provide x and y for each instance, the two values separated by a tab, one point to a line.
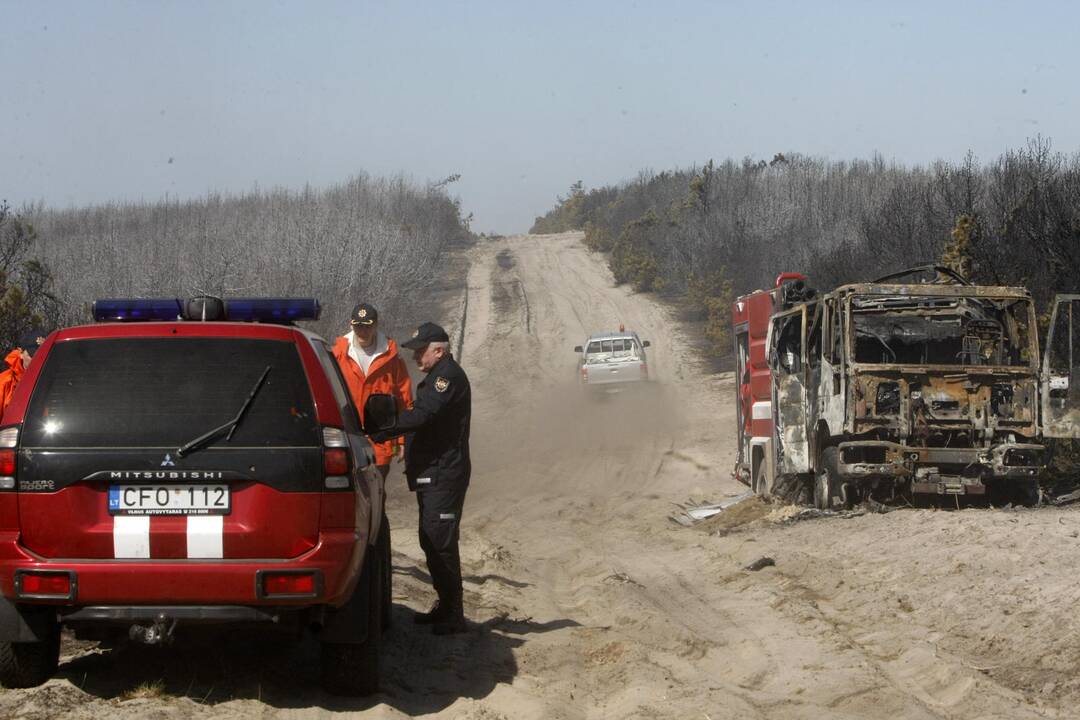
885	389
939	470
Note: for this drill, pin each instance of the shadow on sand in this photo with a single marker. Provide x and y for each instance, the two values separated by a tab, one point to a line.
417	574
421	673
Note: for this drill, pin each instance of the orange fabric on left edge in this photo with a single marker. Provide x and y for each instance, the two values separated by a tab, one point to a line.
10	377
386	375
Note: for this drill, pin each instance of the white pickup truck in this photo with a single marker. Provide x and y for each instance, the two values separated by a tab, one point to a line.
611	361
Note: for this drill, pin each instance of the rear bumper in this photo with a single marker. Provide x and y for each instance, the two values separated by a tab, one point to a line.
189	614
336	561
614	386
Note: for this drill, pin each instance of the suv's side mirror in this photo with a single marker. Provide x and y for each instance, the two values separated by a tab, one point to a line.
645	343
380	413
577	348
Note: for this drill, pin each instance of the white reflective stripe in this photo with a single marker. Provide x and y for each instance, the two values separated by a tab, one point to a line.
446	516
423	481
761	410
204	535
131	536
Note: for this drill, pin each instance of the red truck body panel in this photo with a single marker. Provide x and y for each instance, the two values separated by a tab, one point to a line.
750	318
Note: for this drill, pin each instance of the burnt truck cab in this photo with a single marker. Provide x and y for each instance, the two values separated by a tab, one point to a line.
931	388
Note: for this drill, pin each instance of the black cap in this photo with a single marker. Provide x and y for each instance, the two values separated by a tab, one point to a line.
31	340
426	333
364	314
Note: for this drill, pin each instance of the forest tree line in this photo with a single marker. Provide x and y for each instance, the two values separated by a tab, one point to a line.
711	233
380	240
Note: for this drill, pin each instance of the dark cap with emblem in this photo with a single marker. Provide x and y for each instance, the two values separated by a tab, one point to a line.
31	340
425	334
364	314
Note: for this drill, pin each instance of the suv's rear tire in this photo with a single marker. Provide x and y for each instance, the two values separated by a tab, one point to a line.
27	664
353	668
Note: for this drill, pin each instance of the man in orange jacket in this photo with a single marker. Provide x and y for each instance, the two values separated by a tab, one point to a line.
370	363
16	362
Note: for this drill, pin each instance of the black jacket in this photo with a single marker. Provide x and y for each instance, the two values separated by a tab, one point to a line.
436	429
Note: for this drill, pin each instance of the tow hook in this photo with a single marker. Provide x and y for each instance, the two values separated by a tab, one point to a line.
158	633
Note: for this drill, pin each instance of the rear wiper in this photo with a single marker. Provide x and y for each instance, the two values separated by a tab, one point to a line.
230	426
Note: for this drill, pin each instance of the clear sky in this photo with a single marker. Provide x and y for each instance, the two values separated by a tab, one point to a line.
127	100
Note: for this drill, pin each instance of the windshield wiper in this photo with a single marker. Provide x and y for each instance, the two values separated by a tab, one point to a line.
230	426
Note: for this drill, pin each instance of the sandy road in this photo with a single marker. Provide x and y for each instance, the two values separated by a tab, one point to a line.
587	602
624	614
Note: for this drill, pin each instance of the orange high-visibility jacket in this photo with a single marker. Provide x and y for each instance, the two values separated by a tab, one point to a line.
10	377
387	374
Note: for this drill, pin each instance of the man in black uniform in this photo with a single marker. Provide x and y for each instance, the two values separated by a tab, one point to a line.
437	467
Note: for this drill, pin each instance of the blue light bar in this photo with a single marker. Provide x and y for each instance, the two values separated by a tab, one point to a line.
283	311
272	310
136	309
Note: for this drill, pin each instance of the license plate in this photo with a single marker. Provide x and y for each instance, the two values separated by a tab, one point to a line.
169	500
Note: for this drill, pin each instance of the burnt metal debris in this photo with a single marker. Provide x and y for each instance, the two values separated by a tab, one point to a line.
689	513
761	562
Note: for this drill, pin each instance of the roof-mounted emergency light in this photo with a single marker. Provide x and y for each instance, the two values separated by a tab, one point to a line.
132	309
272	310
267	310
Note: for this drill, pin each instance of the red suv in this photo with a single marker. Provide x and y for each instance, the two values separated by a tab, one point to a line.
189	462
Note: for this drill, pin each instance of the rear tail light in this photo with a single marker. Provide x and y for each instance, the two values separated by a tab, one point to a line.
9	438
7	463
584	374
303	584
336	462
45	584
644	371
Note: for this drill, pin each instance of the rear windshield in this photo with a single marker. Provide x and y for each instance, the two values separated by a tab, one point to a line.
132	392
614	349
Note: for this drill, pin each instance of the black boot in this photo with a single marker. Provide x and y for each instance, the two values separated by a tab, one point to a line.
453	620
432	616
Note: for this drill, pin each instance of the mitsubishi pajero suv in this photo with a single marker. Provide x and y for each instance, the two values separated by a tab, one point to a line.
189	462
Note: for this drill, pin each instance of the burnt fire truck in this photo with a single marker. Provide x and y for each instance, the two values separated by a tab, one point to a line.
901	389
755	462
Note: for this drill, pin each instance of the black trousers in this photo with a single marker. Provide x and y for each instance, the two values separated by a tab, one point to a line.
440	523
